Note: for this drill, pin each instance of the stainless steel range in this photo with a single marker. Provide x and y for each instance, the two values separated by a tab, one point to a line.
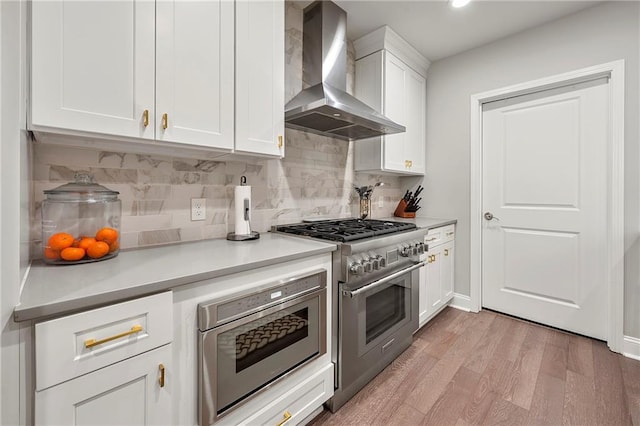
375	295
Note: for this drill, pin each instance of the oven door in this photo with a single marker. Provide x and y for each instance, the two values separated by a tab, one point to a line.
373	313
245	356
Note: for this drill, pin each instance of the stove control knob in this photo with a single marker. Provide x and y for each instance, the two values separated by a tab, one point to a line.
368	265
356	268
405	251
376	263
420	248
383	261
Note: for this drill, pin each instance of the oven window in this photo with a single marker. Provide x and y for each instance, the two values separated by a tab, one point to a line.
384	309
264	340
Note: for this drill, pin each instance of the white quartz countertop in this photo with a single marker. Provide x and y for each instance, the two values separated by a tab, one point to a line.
53	290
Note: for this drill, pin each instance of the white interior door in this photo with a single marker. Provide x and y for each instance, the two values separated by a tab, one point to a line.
545	183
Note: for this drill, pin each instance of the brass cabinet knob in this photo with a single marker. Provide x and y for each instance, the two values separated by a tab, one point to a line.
161	379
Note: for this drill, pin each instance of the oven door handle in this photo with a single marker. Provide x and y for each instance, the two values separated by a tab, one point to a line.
382	281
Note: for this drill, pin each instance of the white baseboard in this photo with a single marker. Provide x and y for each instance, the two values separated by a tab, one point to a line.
461	301
631	347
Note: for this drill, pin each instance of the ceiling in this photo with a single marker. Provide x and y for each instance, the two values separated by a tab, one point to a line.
437	30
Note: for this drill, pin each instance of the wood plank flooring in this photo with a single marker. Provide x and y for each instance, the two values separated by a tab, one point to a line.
491	369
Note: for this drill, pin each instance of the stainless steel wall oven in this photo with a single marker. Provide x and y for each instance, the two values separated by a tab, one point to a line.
249	342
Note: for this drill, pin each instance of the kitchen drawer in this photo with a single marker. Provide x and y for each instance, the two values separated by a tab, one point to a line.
61	344
299	402
440	235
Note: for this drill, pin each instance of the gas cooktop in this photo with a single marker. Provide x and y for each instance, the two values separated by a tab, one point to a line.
345	230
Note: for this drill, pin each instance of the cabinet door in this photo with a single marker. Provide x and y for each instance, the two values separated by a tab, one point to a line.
415	136
395	108
446	272
194	73
92	66
423	308
434	286
125	393
260	77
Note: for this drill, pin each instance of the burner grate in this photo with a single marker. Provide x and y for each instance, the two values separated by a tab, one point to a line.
345	230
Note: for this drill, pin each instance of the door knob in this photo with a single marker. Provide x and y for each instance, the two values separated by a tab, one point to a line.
489	216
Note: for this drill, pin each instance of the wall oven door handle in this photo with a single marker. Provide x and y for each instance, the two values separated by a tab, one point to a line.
382	281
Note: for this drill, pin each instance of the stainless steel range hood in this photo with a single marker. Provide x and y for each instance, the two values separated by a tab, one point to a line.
326	108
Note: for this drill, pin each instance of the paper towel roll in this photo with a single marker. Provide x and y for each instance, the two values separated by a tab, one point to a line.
243	202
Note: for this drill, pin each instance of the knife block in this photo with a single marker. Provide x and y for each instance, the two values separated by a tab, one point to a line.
400	210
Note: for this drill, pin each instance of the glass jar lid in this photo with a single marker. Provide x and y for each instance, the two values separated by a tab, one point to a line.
83	188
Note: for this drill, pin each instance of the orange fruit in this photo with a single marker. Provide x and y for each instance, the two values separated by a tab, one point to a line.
72	253
85	242
114	246
51	254
98	249
108	235
60	241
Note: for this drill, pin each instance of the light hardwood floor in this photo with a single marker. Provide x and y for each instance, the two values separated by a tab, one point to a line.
488	368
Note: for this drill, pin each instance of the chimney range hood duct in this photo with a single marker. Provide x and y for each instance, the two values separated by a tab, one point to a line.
326	108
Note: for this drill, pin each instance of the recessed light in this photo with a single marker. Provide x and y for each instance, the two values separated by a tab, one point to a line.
336	115
459	3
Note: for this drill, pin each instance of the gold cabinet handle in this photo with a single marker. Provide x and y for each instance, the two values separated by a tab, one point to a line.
161	380
93	342
450	233
286	417
432	239
145	118
446	252
280	141
165	121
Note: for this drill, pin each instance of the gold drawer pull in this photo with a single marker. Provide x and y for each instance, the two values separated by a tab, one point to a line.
145	118
450	233
446	252
280	143
93	342
432	239
287	417
165	121
161	380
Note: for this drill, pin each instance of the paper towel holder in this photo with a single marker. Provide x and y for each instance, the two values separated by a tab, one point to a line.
253	235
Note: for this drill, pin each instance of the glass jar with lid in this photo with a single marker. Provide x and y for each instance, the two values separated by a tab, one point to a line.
80	222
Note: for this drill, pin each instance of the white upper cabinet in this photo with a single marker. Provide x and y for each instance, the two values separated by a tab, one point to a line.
391	78
260	77
92	66
199	74
194	73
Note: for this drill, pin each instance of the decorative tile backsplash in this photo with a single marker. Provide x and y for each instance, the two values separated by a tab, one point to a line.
315	179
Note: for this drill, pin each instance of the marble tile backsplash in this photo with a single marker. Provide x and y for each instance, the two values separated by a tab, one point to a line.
315	179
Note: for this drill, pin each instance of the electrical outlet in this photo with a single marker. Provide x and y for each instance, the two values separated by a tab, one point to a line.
198	209
380	202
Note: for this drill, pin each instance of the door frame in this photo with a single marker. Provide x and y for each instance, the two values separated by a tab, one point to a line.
615	184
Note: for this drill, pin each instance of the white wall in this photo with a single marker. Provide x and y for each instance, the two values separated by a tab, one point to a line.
596	35
14	213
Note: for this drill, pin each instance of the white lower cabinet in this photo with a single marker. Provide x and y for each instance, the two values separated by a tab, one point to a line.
107	366
136	391
300	401
436	277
